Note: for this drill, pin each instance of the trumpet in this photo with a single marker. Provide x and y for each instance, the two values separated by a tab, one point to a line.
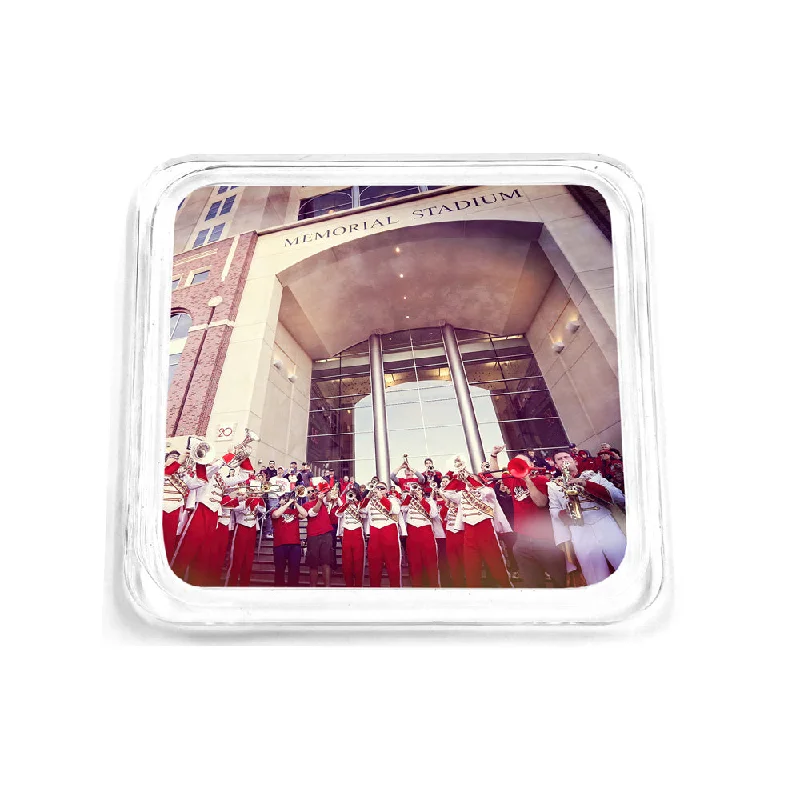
351	496
300	491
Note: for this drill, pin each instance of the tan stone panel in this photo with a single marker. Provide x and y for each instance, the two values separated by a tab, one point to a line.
554	372
557	207
602	333
576	345
550	309
238	376
612	435
576	422
581	243
275	418
596	385
255	302
597	278
245	333
604	300
538	192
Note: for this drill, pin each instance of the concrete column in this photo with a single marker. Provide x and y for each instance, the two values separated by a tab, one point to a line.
465	407
379	424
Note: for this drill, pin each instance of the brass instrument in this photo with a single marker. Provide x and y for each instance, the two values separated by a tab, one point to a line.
333	493
300	491
198	451
351	496
573	494
255	489
243	450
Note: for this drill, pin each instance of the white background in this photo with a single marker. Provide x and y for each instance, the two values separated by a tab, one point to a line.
698	99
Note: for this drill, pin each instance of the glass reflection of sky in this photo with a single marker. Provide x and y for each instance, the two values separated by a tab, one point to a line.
424	422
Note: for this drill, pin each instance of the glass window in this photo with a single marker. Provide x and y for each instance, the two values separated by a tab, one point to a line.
179	325
228	204
175	283
321	204
212	212
201	238
377	194
216	233
200	277
222	190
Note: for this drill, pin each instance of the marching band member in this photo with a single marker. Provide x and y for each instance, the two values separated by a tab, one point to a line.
351	529
454	539
198	546
481	519
243	545
407	476
286	543
535	548
179	482
380	513
423	562
583	524
431	475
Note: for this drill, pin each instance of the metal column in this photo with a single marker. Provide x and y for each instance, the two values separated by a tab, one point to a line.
465	407
379	426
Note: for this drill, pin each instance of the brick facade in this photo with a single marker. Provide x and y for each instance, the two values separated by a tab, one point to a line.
194	386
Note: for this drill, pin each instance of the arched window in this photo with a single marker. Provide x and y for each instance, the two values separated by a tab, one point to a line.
179	324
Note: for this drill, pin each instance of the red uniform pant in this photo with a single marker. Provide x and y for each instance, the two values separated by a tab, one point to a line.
384	548
353	557
455	557
242	555
481	545
208	569
188	551
423	557
169	525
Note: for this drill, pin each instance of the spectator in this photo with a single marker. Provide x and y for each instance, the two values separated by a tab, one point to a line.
286	524
305	474
278	485
318	537
270	469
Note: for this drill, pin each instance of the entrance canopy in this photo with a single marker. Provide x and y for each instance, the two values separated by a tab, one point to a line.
488	275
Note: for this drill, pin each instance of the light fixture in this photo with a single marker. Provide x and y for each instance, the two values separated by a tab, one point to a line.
397	249
277	363
404	297
558	346
574	325
292	378
401	274
407	317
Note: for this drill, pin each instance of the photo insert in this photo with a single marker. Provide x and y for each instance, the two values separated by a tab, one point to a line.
393	386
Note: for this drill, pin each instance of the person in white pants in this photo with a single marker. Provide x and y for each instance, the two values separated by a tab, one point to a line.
599	541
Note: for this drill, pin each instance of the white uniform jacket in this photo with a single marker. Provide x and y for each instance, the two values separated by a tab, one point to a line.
379	520
490	498
594	512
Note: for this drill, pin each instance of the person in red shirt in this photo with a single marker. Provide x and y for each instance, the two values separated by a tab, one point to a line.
535	549
405	476
318	537
286	542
